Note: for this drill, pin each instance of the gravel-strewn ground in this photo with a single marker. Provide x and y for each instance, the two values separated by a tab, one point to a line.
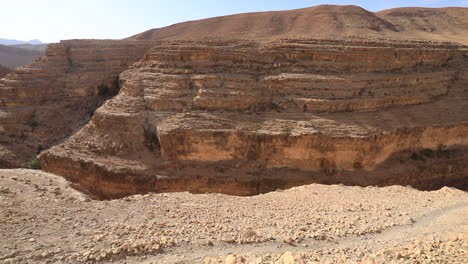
43	220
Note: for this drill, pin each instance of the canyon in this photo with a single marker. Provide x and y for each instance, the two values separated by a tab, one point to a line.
328	134
381	101
245	118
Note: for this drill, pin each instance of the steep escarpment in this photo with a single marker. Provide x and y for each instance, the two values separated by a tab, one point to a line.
244	117
42	103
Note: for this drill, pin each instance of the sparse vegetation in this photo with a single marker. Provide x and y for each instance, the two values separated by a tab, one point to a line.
103	90
34	164
32	122
40	148
116	86
151	138
424	154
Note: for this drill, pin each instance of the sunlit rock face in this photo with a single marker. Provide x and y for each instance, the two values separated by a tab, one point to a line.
246	117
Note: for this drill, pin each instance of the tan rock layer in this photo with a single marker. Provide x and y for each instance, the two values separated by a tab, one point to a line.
245	117
295	77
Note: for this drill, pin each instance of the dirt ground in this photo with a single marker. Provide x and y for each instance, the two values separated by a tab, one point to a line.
44	220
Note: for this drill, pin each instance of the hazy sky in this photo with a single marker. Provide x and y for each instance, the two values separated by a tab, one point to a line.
53	20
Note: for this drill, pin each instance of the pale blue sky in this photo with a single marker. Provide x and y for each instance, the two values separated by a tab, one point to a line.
53	20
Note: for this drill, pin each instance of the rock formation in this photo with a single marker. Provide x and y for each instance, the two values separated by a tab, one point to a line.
245	117
242	117
42	103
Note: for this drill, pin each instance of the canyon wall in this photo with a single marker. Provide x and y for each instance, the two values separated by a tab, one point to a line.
46	101
246	117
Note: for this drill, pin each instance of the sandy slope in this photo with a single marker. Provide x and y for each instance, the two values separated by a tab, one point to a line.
43	220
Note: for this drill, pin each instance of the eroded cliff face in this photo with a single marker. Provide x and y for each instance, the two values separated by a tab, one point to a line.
42	103
246	117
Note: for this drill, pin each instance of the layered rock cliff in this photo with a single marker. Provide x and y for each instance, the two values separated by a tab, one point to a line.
245	117
44	102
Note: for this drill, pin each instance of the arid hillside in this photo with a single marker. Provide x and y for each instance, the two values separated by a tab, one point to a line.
445	24
44	220
325	20
13	57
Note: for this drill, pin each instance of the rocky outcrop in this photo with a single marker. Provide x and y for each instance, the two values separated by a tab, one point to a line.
44	102
243	118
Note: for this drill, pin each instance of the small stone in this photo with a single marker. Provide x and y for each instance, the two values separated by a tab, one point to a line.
367	261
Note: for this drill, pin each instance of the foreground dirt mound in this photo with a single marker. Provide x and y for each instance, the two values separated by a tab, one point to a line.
43	220
325	20
243	117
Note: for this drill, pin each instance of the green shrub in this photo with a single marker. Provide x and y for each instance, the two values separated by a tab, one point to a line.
34	164
151	138
103	90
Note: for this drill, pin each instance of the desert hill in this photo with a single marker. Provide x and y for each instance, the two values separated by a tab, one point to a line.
446	24
13	57
324	21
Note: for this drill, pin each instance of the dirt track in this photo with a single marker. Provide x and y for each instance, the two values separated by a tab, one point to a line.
43	220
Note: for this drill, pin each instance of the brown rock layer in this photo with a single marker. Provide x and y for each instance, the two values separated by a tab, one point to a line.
4	71
245	117
46	101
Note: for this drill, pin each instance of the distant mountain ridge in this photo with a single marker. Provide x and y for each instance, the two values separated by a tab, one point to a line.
17	42
13	57
38	47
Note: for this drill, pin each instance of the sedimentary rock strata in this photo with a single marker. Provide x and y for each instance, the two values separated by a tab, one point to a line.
42	103
243	117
